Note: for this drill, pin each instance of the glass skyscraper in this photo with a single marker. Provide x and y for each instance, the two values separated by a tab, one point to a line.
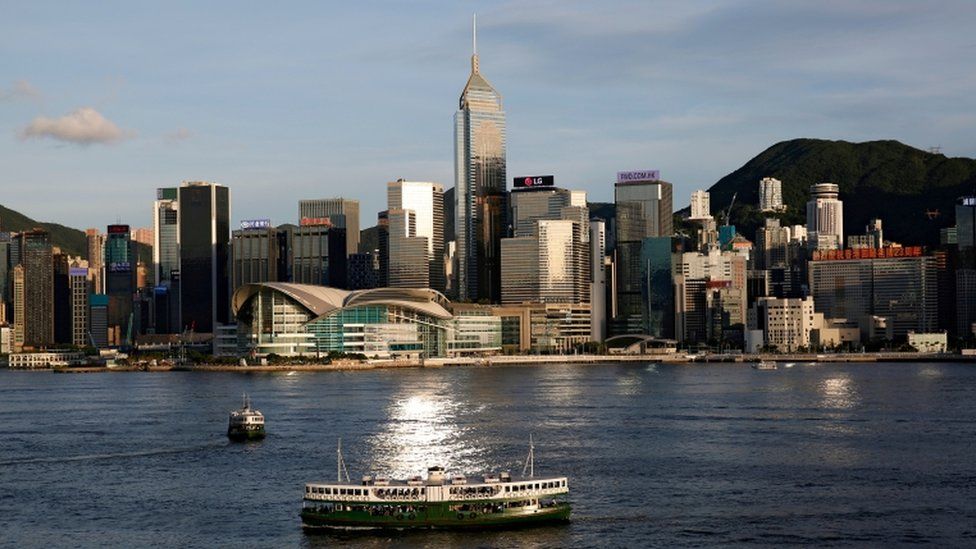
426	224
479	176
204	227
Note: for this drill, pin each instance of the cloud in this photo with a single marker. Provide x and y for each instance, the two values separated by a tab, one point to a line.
85	126
181	134
21	89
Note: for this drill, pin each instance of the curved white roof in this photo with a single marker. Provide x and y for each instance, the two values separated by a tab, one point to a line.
323	300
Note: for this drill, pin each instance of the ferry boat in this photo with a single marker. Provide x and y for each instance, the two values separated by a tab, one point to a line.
438	501
245	424
765	365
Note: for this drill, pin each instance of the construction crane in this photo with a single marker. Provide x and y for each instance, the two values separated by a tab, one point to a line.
728	212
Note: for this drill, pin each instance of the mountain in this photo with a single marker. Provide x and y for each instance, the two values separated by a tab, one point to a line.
71	241
912	191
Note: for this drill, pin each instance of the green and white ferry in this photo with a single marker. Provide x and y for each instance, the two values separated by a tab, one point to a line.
439	501
246	423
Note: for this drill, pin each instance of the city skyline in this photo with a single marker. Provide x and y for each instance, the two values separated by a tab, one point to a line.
209	107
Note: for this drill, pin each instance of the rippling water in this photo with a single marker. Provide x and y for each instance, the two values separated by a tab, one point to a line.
869	454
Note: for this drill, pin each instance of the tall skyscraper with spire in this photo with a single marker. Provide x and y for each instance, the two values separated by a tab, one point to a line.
479	179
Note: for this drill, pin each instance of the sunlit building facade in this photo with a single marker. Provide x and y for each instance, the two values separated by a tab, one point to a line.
479	182
426	201
299	319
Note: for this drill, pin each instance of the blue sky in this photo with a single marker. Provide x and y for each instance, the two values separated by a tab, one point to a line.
100	103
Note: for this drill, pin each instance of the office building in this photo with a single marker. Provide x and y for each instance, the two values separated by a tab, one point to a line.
120	283
98	320
643	209
426	201
35	312
825	217
535	204
96	259
480	187
256	255
657	287
78	285
897	284
314	254
204	243
6	299
772	245
408	263
340	212
700	206
965	278
550	266
786	323
166	261
771	195
598	279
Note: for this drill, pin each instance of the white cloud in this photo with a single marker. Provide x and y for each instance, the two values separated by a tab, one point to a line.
84	126
21	89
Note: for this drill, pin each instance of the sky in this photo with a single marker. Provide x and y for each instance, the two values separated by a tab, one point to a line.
103	102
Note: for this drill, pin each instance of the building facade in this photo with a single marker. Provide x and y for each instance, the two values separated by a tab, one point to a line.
700	205
204	242
480	188
341	212
426	201
771	195
825	217
643	209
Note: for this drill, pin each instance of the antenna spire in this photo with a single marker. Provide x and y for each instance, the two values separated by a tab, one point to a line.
474	44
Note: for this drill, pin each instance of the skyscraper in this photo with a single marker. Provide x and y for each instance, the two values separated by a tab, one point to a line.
700	205
408	262
204	237
825	217
479	176
771	195
120	282
644	209
35	312
965	279
341	212
426	201
96	259
166	260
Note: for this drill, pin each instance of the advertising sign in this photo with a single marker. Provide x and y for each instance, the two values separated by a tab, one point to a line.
639	175
255	224
77	271
120	267
315	222
969	201
532	181
118	229
867	253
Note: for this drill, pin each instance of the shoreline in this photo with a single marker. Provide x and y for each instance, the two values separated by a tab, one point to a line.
536	360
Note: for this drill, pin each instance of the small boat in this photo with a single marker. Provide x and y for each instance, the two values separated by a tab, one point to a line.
789	364
245	423
439	501
764	365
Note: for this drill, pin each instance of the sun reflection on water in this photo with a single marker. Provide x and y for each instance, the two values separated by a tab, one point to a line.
839	392
422	430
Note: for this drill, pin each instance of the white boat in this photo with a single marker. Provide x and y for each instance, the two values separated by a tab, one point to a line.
764	365
246	423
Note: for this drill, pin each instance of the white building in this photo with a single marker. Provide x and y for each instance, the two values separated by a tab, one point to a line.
771	195
598	280
787	323
700	206
825	217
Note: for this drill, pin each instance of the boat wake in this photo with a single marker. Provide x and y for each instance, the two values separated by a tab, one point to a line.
116	455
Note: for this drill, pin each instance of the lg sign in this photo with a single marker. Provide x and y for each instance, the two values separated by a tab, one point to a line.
533	181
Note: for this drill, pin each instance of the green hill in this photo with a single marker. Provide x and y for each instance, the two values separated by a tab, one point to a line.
912	191
71	241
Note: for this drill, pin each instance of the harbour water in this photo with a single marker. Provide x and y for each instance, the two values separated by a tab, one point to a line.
838	454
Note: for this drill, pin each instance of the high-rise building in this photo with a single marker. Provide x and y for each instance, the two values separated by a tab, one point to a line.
546	267
825	217
78	288
98	320
314	254
19	306
166	260
700	205
408	262
204	244
96	259
341	212
598	280
772	245
36	308
897	284
965	278
786	323
771	195
6	314
643	209
657	287
426	201
62	299
479	183
120	281
255	256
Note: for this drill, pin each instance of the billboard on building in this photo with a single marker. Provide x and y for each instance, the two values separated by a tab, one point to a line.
867	253
255	224
315	222
639	175
533	181
118	229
